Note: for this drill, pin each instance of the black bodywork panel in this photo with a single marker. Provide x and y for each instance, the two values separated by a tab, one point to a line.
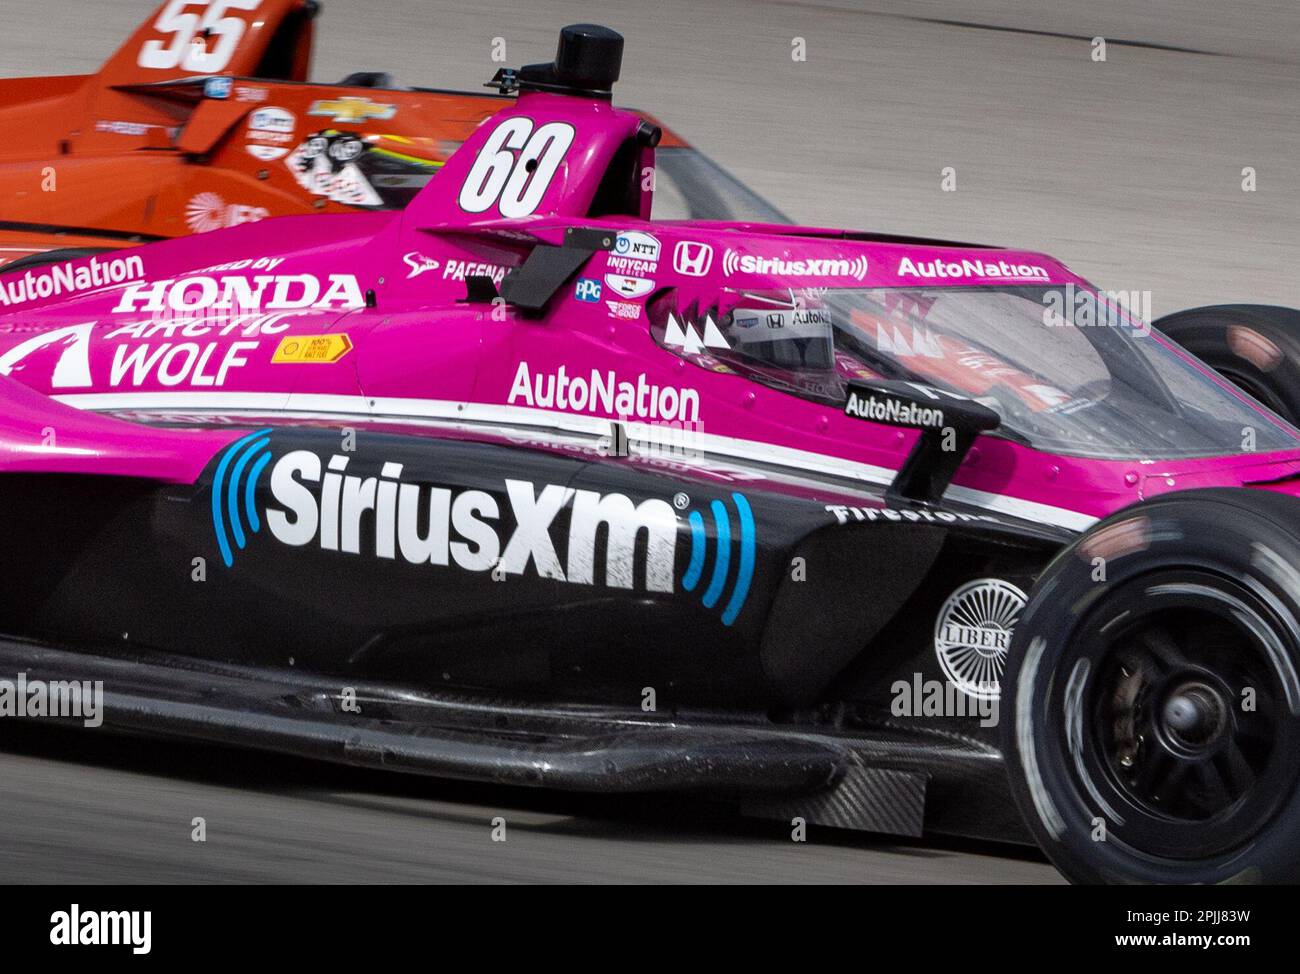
473	569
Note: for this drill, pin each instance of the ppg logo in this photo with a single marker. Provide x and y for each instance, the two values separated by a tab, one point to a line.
729	547
692	259
234	489
588	289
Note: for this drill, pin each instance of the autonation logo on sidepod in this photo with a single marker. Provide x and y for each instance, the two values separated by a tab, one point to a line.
318	501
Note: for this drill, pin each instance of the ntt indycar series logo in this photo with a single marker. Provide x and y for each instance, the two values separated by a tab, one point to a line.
354	507
63	280
895	412
734	263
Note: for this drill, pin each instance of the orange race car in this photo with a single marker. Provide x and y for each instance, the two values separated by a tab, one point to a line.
204	119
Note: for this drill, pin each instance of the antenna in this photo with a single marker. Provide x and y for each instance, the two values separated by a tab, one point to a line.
587	63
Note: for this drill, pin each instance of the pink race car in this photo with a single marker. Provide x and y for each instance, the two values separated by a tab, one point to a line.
518	485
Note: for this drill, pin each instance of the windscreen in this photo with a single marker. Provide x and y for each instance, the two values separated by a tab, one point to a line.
691	186
1067	374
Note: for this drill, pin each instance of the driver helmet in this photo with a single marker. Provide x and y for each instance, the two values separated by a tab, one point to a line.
785	329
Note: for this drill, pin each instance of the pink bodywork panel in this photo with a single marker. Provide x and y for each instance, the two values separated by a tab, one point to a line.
277	316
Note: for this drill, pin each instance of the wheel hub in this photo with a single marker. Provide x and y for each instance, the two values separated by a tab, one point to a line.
1195	716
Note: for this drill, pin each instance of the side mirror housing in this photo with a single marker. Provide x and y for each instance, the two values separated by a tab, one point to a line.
948	423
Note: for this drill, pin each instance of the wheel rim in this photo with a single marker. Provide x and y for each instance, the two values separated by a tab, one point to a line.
1176	715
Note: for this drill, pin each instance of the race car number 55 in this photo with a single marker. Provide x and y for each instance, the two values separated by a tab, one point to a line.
190	31
515	184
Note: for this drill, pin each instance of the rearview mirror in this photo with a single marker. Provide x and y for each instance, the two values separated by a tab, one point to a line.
949	424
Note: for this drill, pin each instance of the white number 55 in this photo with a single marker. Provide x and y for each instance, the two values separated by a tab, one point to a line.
188	49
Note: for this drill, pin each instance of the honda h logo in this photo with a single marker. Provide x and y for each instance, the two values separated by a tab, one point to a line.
692	259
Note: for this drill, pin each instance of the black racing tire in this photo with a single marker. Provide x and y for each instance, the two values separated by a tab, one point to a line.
1256	346
1151	721
62	255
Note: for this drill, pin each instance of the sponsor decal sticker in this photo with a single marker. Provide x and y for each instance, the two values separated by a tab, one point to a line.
634	243
74	277
604	392
879	408
624	310
973	632
217	88
355	507
635	254
311	349
271	292
352	109
208	211
734	263
630	287
419	264
136	129
999	270
270	133
458	270
587	289
692	259
272	120
252	95
844	514
267	153
325	165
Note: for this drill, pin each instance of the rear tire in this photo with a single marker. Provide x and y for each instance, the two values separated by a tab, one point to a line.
1255	346
1153	732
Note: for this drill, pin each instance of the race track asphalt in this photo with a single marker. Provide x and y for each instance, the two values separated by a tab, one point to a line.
83	807
1130	170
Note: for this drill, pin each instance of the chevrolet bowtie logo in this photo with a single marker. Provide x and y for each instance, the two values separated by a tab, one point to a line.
351	109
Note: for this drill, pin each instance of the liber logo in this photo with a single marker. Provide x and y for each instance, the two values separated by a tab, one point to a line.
972	635
551	531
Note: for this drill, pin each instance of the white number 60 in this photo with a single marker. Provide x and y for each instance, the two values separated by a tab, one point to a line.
515	184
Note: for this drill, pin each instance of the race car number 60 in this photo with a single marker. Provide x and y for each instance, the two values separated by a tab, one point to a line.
515	183
188	50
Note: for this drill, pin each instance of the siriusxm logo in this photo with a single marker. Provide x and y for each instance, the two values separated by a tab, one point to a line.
734	262
555	532
720	573
234	489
